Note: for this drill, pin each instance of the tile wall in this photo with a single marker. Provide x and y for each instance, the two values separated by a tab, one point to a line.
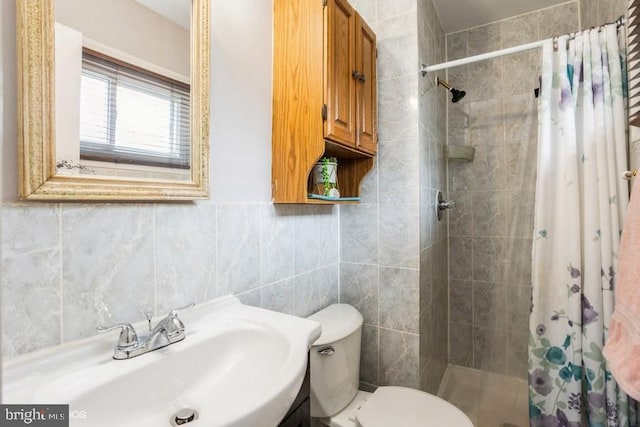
490	229
598	12
69	268
66	268
432	123
382	272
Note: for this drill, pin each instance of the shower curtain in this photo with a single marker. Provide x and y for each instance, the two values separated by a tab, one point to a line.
580	203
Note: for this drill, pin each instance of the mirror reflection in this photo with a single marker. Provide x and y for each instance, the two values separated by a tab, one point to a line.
122	88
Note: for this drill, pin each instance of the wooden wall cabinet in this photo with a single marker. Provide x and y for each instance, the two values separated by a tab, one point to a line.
324	96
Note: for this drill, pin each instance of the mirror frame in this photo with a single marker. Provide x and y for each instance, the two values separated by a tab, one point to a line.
36	118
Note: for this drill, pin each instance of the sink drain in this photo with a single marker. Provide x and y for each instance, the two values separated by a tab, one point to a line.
184	416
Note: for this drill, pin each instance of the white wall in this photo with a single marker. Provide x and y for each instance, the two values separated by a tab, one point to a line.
131	28
241	100
68	75
9	149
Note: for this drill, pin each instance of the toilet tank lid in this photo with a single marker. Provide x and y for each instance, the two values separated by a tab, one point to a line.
338	321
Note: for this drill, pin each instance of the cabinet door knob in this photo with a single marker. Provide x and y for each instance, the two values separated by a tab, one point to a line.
359	76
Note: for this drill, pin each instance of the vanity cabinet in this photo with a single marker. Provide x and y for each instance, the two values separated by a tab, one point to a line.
324	97
300	413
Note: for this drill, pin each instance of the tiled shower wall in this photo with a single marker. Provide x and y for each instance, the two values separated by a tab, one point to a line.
434	295
598	12
381	270
490	229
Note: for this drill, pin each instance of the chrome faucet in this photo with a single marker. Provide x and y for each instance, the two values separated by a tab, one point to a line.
168	331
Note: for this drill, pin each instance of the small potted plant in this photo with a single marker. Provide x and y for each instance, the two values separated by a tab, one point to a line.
325	177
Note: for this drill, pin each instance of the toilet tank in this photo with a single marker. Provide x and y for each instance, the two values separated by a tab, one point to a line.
335	359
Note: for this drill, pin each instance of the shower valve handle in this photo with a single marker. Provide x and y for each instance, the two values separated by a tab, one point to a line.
446	205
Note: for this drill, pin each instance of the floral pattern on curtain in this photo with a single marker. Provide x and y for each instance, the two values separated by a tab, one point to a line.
580	203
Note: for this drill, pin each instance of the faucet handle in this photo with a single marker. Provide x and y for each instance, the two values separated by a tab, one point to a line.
172	323
128	336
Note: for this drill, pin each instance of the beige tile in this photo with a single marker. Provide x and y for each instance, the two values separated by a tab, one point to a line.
461	345
459	124
489	259
484	39
457	46
559	20
489	306
521	119
484	81
589	13
520	213
460	260
520	30
489	214
486	122
610	10
521	71
461	218
490	350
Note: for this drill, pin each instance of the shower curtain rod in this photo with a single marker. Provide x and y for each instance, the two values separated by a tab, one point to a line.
424	69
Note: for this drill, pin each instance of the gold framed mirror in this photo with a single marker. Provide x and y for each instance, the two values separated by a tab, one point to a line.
96	149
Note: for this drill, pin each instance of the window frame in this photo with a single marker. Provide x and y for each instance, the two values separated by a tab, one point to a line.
109	152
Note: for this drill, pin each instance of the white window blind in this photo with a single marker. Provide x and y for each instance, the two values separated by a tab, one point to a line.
131	115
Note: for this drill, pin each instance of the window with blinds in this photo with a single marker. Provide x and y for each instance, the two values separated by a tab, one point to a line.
131	115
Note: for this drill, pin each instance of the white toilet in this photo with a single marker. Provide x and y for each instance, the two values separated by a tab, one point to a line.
335	398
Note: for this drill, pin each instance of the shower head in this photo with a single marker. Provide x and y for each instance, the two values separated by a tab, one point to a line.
456	95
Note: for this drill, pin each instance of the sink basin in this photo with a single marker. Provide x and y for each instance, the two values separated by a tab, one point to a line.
238	366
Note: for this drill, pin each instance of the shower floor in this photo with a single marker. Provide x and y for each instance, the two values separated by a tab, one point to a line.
490	400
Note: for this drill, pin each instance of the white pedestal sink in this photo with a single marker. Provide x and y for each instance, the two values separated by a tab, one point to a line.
239	366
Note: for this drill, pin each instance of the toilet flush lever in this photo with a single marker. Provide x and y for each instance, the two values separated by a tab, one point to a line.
327	351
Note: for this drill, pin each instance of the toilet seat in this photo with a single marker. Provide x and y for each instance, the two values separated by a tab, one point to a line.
405	407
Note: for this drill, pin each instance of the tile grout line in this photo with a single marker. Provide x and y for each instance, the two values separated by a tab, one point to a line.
215	261
60	272
155	259
260	229
378	340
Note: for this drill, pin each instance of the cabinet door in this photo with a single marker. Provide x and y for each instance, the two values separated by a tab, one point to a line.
301	417
340	84
366	88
